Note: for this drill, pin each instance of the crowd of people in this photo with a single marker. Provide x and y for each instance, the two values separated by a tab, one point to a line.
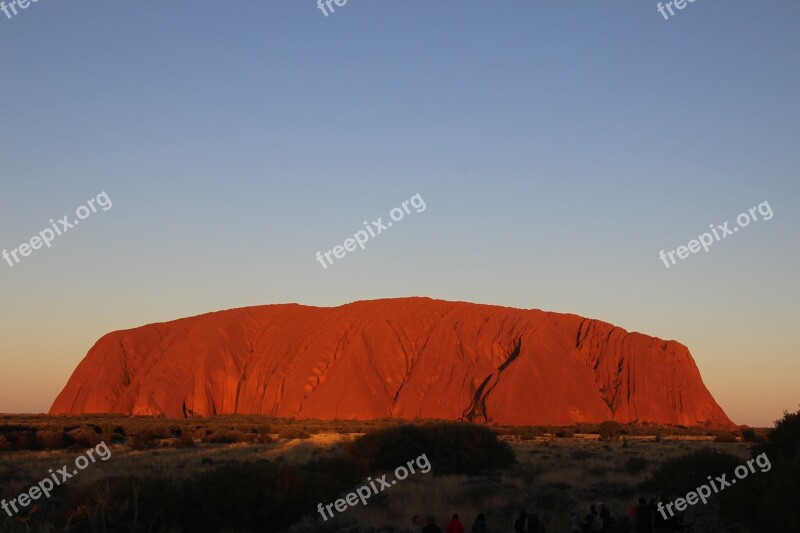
644	518
648	519
427	524
599	518
527	522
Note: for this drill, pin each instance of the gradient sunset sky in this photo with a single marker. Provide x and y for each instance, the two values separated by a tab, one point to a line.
558	146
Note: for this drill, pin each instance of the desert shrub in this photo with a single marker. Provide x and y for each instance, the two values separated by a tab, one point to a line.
609	430
185	441
158	432
784	439
85	436
725	437
530	434
249	438
23	440
749	435
635	464
451	448
261	496
5	444
566	433
108	429
228	436
685	473
767	500
16	428
294	433
50	439
85	426
224	436
143	441
118	503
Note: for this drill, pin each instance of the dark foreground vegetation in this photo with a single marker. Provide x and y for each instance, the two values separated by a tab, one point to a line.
763	501
256	496
143	432
274	494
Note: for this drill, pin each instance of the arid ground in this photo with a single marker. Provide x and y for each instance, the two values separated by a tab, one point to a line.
560	474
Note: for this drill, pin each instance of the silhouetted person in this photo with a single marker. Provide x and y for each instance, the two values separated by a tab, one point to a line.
417	523
519	523
532	519
455	525
593	521
575	522
643	514
479	526
605	514
431	527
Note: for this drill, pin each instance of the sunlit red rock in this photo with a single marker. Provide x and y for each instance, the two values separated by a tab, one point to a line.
408	358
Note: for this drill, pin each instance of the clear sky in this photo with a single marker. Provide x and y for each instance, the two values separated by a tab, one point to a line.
558	146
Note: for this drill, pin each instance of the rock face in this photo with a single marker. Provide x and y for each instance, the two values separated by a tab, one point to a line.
409	357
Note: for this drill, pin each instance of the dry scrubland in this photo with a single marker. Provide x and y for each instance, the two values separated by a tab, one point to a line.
583	465
561	474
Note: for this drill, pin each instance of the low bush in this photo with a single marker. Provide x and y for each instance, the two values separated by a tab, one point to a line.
143	441
451	447
784	440
185	441
767	500
50	439
294	433
726	437
610	430
223	436
682	474
24	440
749	435
86	436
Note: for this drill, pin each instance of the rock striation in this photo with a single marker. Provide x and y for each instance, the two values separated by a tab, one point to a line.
407	358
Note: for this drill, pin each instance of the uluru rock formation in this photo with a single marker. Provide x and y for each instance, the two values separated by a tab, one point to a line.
407	358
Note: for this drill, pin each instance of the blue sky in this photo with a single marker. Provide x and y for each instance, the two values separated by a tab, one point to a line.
559	146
